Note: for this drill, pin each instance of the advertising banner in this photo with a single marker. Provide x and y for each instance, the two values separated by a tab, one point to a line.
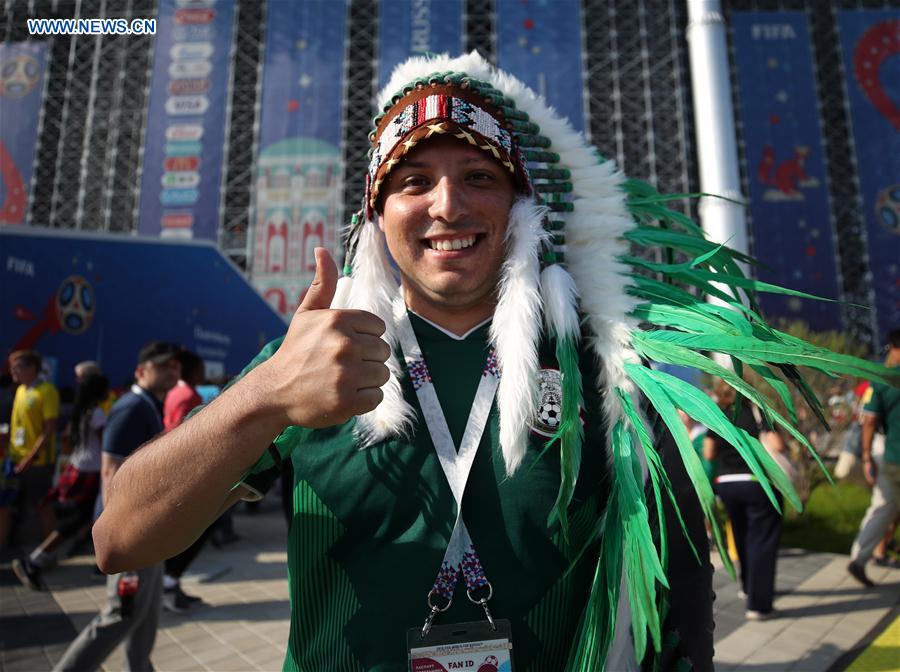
540	43
22	66
298	181
790	215
183	146
417	28
870	41
76	296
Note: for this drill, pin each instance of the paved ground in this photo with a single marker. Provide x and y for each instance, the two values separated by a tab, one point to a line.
826	618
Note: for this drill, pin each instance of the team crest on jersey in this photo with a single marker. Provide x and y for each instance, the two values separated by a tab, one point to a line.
549	412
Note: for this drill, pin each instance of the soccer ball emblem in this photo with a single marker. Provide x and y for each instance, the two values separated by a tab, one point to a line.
75	304
887	208
18	76
549	412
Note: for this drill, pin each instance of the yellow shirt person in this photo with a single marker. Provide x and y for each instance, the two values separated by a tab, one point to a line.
34	405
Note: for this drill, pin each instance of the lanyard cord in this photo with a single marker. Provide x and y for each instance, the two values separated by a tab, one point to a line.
460	557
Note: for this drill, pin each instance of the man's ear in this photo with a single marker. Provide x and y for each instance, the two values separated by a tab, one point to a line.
380	221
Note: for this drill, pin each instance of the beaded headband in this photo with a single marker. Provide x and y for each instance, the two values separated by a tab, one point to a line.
436	110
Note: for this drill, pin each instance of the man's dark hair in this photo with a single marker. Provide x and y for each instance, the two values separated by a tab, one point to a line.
158	352
191	365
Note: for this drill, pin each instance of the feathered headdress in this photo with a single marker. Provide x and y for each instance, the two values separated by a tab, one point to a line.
570	268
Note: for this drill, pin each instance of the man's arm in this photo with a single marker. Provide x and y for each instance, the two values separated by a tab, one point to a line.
329	368
165	494
49	430
869	427
109	465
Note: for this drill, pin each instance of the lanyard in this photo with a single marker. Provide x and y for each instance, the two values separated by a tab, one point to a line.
460	557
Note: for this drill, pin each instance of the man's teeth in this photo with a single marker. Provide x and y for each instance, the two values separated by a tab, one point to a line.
456	244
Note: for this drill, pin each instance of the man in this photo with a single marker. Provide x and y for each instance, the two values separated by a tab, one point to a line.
408	473
180	401
881	469
133	599
32	443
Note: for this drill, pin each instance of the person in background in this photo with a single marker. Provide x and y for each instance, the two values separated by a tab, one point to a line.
89	367
755	522
180	401
31	455
881	409
183	398
79	483
9	485
131	613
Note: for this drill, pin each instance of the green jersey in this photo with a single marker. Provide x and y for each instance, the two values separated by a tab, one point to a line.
370	527
884	401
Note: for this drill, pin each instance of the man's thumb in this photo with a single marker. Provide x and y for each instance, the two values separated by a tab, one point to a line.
321	291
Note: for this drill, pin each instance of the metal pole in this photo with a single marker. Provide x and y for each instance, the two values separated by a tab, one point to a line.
714	118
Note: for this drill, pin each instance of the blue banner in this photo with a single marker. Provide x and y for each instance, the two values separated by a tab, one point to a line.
540	43
183	155
870	40
75	297
791	219
416	28
22	66
298	188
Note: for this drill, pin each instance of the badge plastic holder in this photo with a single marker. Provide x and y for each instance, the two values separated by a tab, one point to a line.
473	646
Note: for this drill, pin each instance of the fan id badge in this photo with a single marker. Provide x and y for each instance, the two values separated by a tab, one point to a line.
471	647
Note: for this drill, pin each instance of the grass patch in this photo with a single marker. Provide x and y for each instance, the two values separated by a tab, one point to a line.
830	520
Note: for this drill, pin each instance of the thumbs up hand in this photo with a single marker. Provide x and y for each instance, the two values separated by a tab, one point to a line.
321	291
331	364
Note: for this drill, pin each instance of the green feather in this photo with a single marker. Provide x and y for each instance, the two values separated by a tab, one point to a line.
700	277
700	407
777	384
809	396
673	354
659	479
570	433
653	235
799	353
655	291
642	565
685	319
598	621
668	413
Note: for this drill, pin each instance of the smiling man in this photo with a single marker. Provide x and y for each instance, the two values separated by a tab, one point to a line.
473	471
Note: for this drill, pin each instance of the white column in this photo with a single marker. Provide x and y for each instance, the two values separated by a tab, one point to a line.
714	118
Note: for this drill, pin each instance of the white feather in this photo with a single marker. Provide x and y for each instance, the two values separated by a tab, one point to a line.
342	292
560	296
516	329
373	290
